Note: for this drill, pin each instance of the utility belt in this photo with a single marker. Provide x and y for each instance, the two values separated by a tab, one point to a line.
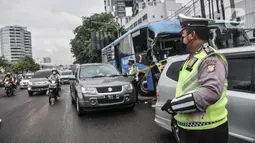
198	124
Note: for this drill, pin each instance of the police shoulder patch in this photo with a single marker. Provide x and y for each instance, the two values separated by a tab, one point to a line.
211	65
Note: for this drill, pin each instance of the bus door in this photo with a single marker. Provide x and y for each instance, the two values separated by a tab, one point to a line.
117	57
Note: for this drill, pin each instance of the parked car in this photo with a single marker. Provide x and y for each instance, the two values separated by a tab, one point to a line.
39	82
240	94
2	80
65	75
25	79
100	86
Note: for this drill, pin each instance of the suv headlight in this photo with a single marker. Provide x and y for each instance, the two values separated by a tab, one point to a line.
30	83
128	87
90	90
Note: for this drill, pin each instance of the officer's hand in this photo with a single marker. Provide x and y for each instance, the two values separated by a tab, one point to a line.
167	107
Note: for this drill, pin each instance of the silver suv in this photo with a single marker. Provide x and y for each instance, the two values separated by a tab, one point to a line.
100	86
240	94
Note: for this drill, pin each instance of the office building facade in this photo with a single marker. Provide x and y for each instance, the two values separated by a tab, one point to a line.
15	43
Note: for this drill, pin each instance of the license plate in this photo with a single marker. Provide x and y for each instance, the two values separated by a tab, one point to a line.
112	97
40	89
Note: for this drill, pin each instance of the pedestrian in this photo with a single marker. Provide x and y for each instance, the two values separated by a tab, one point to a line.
133	75
200	103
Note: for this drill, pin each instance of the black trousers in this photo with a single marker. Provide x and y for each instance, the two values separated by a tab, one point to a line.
137	88
215	135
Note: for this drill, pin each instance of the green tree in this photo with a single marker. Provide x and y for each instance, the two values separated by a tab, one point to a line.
81	44
25	64
4	64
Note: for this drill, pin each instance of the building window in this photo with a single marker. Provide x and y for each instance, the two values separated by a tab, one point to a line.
153	16
140	21
145	17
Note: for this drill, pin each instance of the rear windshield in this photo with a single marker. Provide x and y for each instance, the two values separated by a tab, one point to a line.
66	73
42	74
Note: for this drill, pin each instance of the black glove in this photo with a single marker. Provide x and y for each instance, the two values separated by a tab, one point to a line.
167	107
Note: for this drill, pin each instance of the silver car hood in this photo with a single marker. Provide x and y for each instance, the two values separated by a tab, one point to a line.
104	81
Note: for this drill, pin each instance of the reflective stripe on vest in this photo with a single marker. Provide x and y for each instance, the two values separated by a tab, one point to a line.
215	114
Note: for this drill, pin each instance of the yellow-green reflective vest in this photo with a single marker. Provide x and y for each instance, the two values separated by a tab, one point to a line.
133	72
215	114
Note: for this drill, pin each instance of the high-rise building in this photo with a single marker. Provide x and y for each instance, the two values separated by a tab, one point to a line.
152	10
15	43
118	9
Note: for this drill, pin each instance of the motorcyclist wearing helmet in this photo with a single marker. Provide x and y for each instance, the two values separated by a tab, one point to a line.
8	77
55	77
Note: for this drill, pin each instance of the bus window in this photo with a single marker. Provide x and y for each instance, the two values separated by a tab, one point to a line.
125	48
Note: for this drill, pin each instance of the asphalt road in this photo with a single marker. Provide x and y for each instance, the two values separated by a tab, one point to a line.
32	120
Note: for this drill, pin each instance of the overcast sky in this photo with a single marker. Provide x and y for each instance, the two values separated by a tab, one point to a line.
50	21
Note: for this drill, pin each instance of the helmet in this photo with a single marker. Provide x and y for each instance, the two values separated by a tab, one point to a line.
54	70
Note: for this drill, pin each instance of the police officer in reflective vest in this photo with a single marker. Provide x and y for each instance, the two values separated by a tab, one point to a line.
133	74
200	103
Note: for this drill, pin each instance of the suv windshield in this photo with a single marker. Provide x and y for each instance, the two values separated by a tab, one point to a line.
42	74
92	71
66	73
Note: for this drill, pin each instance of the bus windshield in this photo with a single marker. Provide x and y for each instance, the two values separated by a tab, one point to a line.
233	37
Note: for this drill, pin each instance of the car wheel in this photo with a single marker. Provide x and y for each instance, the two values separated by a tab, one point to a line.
175	131
78	108
131	107
30	93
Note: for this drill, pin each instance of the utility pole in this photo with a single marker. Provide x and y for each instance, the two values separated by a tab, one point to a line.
194	7
218	9
232	6
222	9
202	5
209	4
212	9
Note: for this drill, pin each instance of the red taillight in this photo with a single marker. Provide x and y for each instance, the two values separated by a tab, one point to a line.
157	93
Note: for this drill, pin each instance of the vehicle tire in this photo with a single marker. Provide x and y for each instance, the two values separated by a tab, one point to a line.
30	93
175	130
78	108
131	107
71	97
45	92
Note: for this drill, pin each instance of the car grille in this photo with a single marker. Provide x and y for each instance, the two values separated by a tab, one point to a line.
105	101
109	89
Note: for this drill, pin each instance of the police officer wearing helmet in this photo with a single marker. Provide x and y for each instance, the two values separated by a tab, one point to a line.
133	74
200	103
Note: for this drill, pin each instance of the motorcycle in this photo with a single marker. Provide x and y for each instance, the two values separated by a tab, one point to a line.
9	90
52	91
